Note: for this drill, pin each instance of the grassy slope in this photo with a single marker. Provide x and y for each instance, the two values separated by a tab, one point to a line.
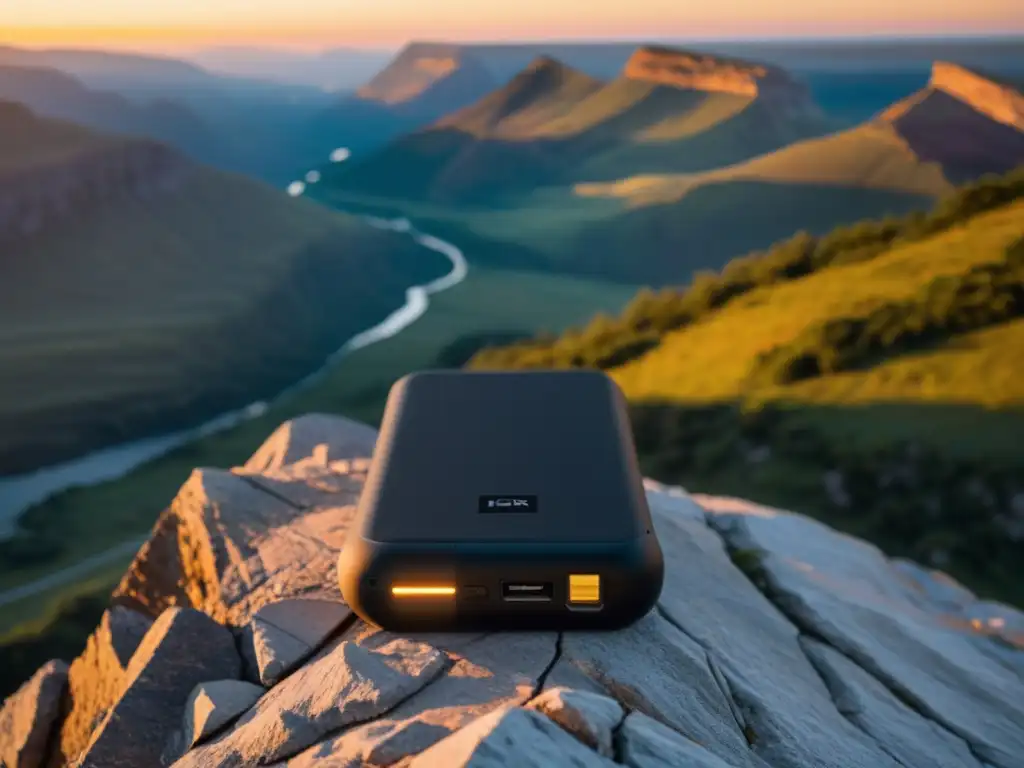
487	301
26	141
946	418
709	360
156	298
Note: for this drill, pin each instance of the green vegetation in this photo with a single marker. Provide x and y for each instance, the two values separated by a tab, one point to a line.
609	342
984	296
913	444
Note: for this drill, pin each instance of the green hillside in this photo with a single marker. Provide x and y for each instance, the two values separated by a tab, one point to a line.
870	377
166	292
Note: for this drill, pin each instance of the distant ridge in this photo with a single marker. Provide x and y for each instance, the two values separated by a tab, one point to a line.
545	89
999	100
423	71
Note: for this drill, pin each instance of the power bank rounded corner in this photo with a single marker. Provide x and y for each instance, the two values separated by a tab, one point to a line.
502	501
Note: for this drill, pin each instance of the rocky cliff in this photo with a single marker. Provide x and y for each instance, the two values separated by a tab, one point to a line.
999	101
776	642
715	74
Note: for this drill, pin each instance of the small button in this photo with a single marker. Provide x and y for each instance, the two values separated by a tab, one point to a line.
474	592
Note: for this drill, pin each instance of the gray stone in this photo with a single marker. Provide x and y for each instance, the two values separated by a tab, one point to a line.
213	705
379	743
325	438
655	668
182	649
646	743
277	653
912	740
96	679
284	633
344	685
510	736
484	672
29	715
753	650
589	717
845	591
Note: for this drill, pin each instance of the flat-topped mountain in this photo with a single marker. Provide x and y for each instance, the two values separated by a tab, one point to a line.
1001	101
777	642
713	73
445	77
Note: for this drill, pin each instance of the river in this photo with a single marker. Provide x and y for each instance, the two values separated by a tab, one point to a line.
19	492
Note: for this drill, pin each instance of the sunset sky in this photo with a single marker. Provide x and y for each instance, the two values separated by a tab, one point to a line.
377	23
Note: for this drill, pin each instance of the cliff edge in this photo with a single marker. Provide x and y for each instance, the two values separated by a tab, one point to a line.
1001	102
777	642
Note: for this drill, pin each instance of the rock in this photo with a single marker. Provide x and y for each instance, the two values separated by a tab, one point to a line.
655	668
646	743
228	545
912	740
510	736
286	632
209	708
483	673
589	717
847	593
95	680
781	702
182	649
906	667
29	715
345	684
382	742
325	438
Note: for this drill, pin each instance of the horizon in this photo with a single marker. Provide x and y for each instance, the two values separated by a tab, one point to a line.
186	49
271	24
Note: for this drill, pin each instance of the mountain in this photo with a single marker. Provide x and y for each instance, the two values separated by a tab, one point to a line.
141	292
868	376
668	109
958	128
776	641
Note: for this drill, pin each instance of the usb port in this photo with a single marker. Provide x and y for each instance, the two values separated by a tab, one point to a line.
527	591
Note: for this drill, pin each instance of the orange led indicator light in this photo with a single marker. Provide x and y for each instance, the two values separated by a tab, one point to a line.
584	588
423	591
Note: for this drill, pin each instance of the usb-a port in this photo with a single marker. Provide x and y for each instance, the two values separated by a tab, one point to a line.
527	591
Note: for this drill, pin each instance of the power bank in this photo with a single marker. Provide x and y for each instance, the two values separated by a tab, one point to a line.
502	501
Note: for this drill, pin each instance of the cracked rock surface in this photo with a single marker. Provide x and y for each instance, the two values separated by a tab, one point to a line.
777	641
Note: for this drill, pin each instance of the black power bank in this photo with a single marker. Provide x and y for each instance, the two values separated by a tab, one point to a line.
502	501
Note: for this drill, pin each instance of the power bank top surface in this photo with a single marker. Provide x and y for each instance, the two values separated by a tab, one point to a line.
504	457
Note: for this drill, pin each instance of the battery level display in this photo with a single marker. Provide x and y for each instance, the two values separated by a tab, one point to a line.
584	588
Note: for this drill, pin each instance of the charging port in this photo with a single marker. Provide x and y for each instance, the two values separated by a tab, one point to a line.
527	591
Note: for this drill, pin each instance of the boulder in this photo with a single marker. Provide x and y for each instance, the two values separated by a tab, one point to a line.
777	641
346	684
646	743
285	633
182	649
589	717
210	707
28	717
95	680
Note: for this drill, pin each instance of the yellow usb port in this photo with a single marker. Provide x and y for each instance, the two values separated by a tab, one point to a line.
584	588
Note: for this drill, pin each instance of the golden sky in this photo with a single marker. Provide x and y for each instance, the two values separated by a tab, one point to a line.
319	23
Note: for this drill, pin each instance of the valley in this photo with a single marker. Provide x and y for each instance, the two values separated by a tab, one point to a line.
149	283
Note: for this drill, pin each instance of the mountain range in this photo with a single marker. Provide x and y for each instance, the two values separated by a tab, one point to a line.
661	159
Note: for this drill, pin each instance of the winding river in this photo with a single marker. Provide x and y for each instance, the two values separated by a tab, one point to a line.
19	492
